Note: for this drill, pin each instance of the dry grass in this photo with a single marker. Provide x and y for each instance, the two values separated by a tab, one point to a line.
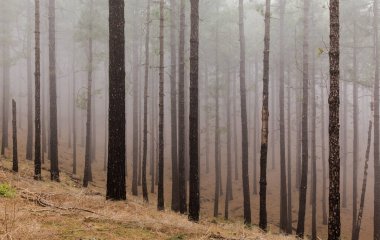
48	210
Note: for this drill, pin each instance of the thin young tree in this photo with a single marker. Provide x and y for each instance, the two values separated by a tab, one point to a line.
289	229
74	126
88	156
53	137
116	113
37	99
181	112
264	125
229	164
145	148
160	195
173	104
29	79
14	137
244	122
255	127
334	149
305	103
194	196
313	156
283	190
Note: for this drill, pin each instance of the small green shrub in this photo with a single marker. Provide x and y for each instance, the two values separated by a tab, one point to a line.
7	191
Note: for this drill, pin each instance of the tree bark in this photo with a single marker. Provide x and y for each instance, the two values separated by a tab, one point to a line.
14	137
116	120
264	126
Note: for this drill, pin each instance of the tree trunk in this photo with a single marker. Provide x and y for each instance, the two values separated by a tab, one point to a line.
54	168
283	190
6	88
229	171
116	119
289	228
334	158
244	124
235	127
145	148
207	112
152	136
313	156
194	195
255	127
324	175
37	74
305	144
173	103
160	196
181	112
14	137
29	79
88	156
355	235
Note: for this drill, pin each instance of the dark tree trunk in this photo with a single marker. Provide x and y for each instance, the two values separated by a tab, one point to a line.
14	137
207	112
376	123
135	80
152	136
194	196
116	115
334	158
283	190
181	113
264	126
355	235
88	156
53	139
244	124
305	142
160	195
29	79
173	103
37	74
145	148
289	227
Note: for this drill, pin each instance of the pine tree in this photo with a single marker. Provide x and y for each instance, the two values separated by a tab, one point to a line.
29	79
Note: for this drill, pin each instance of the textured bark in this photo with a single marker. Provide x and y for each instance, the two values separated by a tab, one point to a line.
37	85
29	79
194	196
160	195
283	190
116	120
135	137
14	137
145	140
88	156
334	149
355	235
244	123
181	112
305	145
173	103
264	126
53	139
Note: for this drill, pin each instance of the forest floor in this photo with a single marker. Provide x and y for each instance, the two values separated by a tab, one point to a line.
65	210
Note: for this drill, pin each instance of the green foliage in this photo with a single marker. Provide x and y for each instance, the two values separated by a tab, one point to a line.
81	100
7	191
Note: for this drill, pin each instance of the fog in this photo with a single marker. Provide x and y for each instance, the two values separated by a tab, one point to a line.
82	53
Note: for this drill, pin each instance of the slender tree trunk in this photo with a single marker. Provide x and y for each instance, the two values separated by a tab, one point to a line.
298	140
29	138
54	168
37	74
255	127
283	190
116	119
145	148
135	80
244	124
160	196
324	175
334	149
305	104
235	128
152	136
88	158
376	123
264	126
173	102
181	112
207	112
313	157
229	170
289	226
14	137
356	232
194	195
6	73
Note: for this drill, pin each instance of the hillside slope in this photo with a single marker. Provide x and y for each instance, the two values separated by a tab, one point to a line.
47	210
